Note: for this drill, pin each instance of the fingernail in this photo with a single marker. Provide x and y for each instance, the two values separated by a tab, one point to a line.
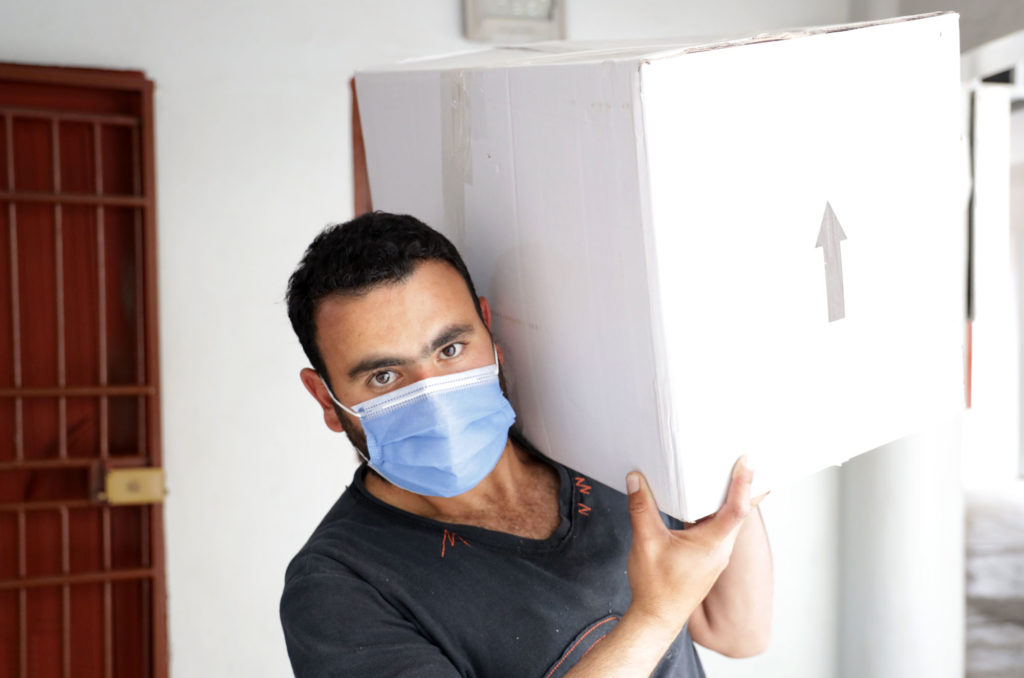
750	461
632	483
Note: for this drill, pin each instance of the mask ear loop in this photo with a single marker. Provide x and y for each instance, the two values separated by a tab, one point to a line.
497	365
336	401
354	414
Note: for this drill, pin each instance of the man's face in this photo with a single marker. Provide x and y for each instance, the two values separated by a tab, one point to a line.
395	335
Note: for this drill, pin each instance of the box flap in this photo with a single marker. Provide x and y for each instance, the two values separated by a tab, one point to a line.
578	52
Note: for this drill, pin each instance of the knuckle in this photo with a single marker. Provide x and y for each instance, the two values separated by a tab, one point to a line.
735	512
647	549
637	504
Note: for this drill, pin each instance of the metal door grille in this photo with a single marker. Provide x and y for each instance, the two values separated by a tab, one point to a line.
81	582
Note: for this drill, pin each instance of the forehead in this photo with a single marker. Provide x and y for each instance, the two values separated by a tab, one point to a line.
396	317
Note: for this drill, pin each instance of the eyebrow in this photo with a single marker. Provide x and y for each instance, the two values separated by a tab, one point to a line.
447	336
372	363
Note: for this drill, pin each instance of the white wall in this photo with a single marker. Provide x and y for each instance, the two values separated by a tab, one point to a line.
1017	240
901	556
869	10
253	154
980	20
613	19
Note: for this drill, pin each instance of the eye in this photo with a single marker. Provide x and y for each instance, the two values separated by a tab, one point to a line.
382	378
452	350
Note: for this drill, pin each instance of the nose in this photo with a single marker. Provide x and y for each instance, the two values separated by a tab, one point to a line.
424	370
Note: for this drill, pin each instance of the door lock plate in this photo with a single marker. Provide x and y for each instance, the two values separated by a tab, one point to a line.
133	486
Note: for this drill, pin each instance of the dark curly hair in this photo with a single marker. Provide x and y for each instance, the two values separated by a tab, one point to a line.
351	258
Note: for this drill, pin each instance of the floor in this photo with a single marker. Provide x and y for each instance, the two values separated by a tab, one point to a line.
995	582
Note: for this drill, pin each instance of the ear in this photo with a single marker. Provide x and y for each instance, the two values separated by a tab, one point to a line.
485	311
311	380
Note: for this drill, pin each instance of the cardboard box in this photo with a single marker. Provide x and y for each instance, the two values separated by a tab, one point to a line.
697	251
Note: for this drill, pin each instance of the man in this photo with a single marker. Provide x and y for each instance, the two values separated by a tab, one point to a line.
459	549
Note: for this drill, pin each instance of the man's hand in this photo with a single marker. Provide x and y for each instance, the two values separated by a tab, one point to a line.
670	573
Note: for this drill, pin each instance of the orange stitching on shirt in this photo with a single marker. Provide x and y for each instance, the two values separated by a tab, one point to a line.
448	539
581	483
584	509
568	653
593	646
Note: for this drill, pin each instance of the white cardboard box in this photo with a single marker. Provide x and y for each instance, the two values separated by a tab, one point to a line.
645	220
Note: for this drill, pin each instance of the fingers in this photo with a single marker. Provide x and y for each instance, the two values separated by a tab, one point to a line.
737	504
722	524
643	510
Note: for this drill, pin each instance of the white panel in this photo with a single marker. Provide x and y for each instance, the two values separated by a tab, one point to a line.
401	121
552	236
863	120
543	166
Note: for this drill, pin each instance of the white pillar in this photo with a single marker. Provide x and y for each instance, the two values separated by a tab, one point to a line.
901	547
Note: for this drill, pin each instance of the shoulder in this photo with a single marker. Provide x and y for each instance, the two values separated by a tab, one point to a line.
337	623
322	558
332	550
336	610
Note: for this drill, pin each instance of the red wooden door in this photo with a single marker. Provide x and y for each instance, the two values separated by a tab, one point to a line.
81	581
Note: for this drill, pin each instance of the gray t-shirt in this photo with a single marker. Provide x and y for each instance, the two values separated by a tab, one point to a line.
380	592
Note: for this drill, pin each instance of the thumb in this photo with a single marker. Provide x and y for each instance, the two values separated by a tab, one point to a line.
643	510
725	523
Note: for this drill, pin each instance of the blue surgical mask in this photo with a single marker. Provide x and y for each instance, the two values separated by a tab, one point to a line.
439	436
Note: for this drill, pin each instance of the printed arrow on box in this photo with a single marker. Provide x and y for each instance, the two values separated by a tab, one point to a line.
829	237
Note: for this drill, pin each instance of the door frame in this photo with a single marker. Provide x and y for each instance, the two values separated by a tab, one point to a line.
131	81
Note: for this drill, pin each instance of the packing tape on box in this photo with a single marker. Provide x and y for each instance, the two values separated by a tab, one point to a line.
456	156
